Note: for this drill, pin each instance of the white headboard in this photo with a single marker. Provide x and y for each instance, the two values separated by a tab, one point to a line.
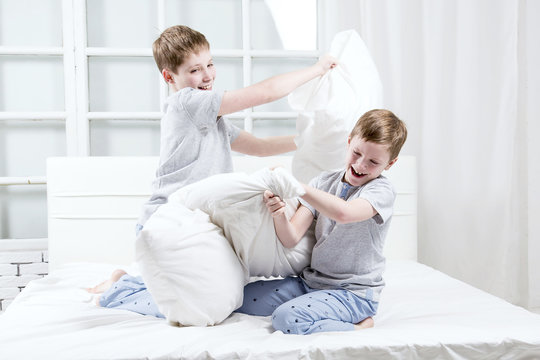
94	202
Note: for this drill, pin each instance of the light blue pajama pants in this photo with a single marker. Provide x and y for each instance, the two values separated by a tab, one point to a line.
130	293
298	309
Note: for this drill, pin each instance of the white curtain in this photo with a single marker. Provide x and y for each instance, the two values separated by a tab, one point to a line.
458	72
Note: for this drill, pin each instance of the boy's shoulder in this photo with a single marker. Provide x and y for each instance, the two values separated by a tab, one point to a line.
327	176
192	98
381	183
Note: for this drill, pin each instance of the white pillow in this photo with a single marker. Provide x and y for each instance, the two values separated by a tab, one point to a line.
234	201
189	266
329	107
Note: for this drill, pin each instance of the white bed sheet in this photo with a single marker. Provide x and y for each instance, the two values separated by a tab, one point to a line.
423	314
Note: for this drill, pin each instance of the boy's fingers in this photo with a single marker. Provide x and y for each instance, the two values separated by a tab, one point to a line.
277	205
267	195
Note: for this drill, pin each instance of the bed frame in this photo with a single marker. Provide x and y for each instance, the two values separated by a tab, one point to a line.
94	202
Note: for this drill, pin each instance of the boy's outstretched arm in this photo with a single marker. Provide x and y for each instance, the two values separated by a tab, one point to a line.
289	232
249	144
273	88
337	209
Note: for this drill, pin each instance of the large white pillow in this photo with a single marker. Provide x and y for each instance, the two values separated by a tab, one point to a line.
329	107
234	201
189	266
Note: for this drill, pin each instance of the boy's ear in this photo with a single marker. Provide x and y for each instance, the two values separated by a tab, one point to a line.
167	76
390	164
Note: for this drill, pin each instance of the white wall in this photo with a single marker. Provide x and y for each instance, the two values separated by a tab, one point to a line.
530	111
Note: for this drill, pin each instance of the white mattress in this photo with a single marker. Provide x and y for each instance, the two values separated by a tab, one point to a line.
423	314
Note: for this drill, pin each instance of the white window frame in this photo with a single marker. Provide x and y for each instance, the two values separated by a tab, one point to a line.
75	53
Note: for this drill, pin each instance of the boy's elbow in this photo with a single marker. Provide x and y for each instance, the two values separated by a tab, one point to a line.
344	217
264	147
270	92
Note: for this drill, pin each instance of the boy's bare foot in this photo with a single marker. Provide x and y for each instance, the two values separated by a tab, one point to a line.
365	324
101	287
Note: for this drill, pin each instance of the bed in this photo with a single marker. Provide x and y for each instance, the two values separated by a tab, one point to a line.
93	203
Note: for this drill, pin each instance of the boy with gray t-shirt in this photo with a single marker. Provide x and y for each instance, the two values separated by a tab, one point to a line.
340	289
196	141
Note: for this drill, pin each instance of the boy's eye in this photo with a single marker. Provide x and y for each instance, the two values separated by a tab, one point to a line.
374	162
210	65
193	70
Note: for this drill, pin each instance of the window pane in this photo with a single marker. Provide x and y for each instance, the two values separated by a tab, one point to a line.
25	146
23	211
123	84
237	122
228	73
219	20
124	137
43	18
284	24
121	23
276	127
266	67
31	83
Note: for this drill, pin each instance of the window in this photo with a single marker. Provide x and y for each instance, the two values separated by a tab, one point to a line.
77	78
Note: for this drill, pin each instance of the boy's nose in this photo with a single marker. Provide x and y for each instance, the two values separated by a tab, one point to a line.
207	75
361	165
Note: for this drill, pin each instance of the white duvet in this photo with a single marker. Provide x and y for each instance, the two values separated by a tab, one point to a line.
423	314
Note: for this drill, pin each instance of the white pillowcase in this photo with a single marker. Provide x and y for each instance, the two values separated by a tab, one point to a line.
234	201
189	266
329	107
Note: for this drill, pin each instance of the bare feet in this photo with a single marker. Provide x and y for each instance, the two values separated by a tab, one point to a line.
365	324
101	287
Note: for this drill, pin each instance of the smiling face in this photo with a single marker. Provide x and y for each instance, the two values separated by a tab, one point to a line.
197	72
365	161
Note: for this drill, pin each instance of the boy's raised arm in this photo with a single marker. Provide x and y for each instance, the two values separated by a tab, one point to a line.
338	209
273	88
249	144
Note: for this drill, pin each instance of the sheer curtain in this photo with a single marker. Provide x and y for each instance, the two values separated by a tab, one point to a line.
459	73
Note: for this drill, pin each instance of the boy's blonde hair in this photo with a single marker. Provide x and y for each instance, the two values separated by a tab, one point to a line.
175	44
382	127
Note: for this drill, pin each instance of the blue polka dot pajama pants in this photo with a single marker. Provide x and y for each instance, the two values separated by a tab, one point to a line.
298	309
130	293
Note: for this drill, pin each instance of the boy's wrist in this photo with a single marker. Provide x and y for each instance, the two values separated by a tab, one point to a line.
320	70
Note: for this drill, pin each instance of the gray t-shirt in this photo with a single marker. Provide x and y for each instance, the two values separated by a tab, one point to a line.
195	144
350	256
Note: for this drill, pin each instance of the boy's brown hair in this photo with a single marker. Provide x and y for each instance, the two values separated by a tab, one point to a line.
382	127
175	44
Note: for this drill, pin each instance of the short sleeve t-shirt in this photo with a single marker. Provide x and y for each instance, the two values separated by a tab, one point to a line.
350	256
195	144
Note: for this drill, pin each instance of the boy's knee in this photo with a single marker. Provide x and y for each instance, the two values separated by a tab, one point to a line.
288	319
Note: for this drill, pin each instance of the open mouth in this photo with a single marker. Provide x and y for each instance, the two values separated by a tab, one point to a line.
207	87
357	175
